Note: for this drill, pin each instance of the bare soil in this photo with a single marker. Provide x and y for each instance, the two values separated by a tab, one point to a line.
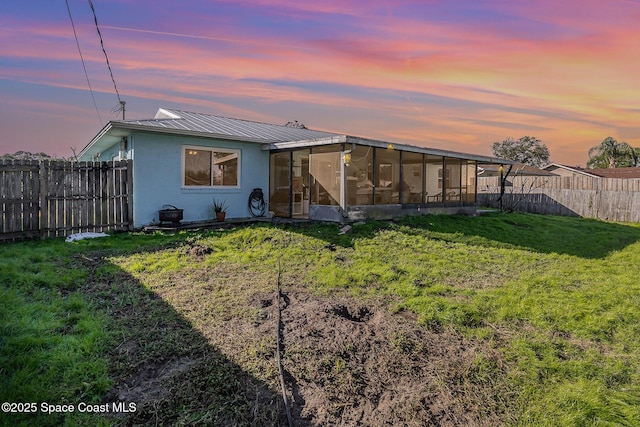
199	351
353	364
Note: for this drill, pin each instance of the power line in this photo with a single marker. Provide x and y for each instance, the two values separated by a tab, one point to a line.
83	65
95	18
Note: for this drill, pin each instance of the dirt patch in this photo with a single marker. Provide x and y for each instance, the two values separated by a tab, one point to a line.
199	250
352	364
199	348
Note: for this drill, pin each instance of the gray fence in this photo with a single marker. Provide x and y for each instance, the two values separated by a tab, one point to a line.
609	199
56	198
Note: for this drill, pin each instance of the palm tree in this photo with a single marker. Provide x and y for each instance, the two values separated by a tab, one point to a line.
611	154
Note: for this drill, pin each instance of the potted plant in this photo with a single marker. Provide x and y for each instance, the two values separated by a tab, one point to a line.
220	209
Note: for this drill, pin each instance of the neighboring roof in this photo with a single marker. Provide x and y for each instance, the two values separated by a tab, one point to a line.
626	173
575	169
517	169
273	136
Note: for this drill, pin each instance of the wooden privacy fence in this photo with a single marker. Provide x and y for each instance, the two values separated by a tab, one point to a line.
609	199
58	198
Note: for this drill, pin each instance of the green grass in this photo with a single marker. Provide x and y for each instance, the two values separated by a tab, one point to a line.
559	298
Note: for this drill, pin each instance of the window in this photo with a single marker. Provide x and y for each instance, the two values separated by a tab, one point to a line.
211	167
387	190
468	182
452	179
279	191
360	176
325	169
433	179
412	177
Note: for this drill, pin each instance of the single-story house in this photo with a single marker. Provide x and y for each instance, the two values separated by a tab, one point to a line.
569	171
518	169
187	159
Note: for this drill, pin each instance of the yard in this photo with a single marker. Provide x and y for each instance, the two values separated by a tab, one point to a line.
502	319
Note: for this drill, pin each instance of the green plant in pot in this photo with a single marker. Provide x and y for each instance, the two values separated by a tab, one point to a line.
219	208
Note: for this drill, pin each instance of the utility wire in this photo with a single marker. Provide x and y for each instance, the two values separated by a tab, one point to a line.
95	18
95	104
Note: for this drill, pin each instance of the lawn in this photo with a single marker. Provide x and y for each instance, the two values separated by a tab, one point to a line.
501	319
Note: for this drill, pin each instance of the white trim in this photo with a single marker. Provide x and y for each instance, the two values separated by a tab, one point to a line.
233	152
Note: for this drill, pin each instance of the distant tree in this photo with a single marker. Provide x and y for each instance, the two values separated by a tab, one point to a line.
295	124
26	155
528	150
612	154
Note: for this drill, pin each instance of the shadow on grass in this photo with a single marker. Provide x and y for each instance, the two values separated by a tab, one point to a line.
160	361
581	237
163	371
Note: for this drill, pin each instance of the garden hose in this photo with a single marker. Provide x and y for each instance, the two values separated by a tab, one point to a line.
257	205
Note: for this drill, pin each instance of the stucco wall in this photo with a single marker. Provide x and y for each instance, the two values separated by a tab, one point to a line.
157	178
111	153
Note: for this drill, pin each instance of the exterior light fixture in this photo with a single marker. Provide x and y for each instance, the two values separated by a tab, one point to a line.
390	147
346	158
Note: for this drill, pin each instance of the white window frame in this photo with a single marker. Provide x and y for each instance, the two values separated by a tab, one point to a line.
237	152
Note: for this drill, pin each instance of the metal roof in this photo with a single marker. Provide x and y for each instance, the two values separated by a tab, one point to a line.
223	127
292	145
272	136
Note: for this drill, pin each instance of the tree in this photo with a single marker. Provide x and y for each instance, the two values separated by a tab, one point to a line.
612	154
528	150
25	155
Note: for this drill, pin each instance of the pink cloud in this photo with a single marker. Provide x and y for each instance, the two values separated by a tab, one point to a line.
574	85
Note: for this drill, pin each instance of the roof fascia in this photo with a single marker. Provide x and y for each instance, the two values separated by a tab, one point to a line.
382	144
305	143
431	151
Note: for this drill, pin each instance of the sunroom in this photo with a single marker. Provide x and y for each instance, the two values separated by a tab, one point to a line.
348	178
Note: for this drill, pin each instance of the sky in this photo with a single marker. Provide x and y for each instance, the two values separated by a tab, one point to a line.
452	74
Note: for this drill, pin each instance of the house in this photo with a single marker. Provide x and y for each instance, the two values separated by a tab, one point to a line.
187	159
577	177
492	177
569	171
622	173
517	169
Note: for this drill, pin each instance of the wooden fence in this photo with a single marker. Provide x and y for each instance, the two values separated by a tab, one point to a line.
57	198
609	199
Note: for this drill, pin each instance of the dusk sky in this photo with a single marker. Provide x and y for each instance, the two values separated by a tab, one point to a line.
455	75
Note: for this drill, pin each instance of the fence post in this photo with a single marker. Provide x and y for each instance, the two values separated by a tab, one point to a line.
129	164
43	213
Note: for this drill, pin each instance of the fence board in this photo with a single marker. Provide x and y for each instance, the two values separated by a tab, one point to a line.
610	199
55	198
